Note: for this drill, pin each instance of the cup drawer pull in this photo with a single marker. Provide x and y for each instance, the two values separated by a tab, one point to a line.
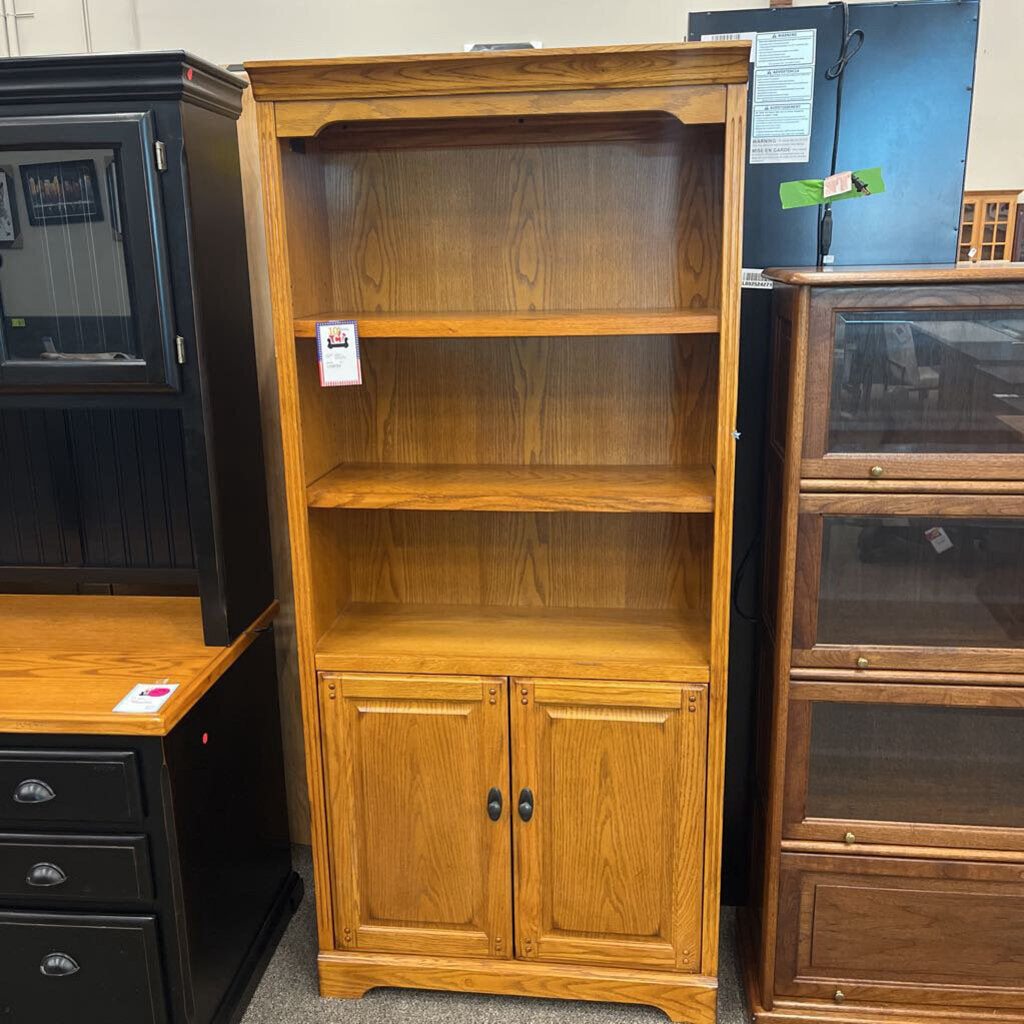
58	965
33	791
44	875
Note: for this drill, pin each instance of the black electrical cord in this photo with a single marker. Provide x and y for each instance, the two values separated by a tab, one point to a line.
737	579
852	43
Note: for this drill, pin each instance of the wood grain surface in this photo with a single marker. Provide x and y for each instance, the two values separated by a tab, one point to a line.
516	488
605	67
584	323
608	869
66	661
536	401
938	273
582	642
418	864
685	999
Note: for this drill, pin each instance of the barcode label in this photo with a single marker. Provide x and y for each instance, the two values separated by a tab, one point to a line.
754	279
731	37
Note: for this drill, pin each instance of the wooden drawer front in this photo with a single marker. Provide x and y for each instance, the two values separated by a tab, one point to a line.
933	582
69	786
892	930
919	383
913	764
111	869
78	969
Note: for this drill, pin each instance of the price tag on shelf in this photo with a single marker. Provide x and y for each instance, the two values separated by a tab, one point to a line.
337	344
145	698
939	539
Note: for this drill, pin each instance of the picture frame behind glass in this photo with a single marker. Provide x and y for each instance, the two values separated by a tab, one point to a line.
61	192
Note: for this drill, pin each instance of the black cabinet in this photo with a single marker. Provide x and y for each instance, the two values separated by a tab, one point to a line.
158	893
130	436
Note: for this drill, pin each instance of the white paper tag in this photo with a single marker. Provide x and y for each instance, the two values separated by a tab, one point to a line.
145	698
337	343
837	184
938	538
753	278
782	105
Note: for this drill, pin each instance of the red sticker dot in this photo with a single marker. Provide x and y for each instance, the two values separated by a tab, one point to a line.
206	738
188	74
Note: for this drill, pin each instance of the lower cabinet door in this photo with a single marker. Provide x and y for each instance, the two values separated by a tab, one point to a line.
608	798
80	969
894	930
417	771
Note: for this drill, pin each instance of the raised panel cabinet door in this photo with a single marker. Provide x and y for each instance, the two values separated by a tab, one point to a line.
608	805
417	775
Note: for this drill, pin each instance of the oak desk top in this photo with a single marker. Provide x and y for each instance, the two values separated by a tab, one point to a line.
66	661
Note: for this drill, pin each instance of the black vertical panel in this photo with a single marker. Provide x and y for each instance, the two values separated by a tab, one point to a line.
906	108
130	474
32	526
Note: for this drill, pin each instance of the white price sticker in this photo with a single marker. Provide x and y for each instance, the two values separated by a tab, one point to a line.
938	538
145	698
337	343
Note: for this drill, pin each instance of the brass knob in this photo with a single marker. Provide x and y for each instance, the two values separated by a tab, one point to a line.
875	472
862	662
850	838
839	997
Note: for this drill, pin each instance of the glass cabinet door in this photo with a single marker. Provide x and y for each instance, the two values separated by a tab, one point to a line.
907	388
917	764
84	296
910	581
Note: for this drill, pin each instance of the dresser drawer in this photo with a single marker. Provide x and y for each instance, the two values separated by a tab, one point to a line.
80	969
910	931
69	786
110	869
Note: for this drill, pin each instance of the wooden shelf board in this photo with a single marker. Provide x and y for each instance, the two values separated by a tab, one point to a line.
66	661
516	488
521	325
589	643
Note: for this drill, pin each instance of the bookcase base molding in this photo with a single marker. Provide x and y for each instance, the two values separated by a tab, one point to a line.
352	975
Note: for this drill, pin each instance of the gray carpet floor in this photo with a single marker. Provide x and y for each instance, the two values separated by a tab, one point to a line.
288	994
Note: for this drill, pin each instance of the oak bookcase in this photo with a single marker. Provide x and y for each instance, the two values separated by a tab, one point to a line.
511	543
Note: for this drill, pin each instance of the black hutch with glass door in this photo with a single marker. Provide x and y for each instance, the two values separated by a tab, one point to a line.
130	438
145	872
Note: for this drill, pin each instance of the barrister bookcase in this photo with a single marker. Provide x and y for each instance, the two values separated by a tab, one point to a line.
890	852
511	541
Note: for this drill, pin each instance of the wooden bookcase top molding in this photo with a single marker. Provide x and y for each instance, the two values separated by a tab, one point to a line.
529	495
583	68
66	661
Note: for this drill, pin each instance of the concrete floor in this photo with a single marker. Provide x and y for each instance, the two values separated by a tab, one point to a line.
288	995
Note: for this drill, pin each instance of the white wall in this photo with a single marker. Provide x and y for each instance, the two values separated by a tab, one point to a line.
231	31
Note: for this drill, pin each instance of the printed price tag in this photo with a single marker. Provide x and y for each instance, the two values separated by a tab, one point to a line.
938	538
145	698
338	353
837	184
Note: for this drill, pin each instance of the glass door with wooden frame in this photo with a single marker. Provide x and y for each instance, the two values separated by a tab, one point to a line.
915	383
902	765
909	582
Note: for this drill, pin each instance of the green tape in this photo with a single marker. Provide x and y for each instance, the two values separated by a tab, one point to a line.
811	192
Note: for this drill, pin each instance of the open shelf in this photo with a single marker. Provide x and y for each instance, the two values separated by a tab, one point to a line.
594	643
565	323
488	488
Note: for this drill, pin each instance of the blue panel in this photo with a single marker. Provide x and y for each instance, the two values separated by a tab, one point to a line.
907	107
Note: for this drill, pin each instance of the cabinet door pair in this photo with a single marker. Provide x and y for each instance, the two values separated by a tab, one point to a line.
459	804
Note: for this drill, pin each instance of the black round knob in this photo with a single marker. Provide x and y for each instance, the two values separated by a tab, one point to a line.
45	875
58	965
